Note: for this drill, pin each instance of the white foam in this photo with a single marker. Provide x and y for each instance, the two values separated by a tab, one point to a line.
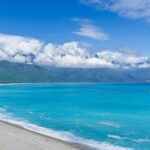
65	136
109	124
117	137
143	140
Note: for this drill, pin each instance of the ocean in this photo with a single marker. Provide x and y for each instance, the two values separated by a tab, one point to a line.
100	116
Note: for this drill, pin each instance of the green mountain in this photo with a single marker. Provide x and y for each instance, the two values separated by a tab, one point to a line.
20	73
24	73
102	74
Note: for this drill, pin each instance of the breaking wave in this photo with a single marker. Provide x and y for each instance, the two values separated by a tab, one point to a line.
61	135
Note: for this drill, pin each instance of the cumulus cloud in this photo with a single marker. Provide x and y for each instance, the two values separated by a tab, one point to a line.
32	51
87	29
18	48
135	9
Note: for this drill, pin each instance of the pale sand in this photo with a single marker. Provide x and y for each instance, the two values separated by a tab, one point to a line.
13	137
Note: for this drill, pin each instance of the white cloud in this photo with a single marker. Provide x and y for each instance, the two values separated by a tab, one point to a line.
145	65
85	44
135	9
127	50
122	59
18	48
87	29
30	50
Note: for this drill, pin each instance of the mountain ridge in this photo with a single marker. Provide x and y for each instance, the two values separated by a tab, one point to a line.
11	72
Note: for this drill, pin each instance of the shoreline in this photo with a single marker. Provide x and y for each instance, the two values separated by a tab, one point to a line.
22	138
11	132
28	83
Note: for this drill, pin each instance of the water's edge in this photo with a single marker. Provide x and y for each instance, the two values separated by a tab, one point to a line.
61	136
16	124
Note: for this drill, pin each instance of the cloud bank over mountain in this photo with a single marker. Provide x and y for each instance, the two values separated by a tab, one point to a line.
33	51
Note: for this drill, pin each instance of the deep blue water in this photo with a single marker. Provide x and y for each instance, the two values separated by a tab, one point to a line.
111	114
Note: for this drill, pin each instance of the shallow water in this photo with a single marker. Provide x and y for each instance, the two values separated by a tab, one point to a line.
107	116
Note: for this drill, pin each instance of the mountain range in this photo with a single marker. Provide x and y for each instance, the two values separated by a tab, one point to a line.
28	73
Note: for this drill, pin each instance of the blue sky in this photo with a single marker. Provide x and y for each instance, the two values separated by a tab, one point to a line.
51	21
76	33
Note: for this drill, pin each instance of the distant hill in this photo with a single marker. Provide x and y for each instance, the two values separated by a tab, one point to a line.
102	74
17	72
24	73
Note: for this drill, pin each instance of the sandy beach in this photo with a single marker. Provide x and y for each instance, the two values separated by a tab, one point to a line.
16	138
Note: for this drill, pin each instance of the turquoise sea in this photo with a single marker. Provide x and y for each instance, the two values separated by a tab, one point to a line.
100	116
